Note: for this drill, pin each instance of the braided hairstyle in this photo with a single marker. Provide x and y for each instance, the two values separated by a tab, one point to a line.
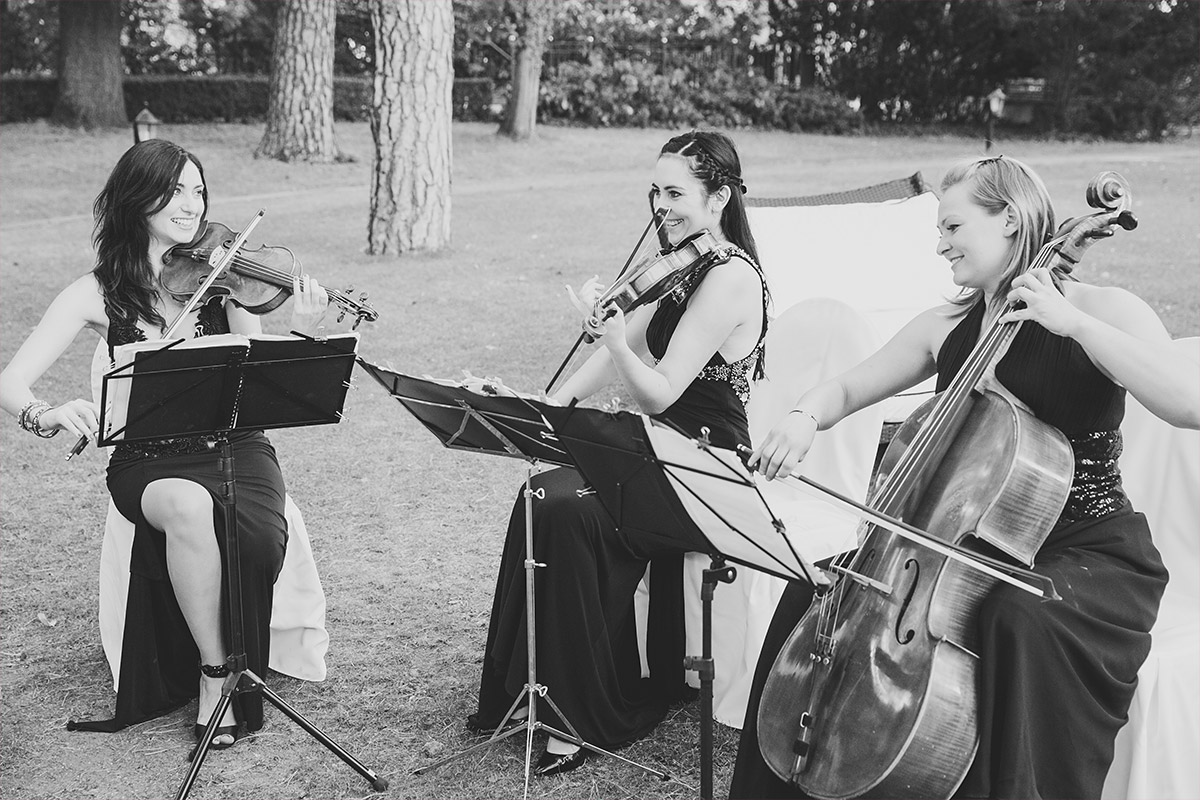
141	185
714	161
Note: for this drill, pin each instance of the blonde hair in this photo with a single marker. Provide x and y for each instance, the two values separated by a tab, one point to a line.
998	184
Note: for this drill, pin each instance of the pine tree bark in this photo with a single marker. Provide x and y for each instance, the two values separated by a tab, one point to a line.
90	71
300	108
410	125
534	20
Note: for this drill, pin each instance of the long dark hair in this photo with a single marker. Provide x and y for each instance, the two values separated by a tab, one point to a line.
714	161
141	185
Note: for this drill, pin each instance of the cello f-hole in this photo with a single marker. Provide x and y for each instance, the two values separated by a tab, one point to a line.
907	636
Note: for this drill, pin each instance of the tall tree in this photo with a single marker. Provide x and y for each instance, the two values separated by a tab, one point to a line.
300	108
90	72
410	125
533	20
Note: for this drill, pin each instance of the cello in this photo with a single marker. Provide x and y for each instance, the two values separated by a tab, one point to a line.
874	692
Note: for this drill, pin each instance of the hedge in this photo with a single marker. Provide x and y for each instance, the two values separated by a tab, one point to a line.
177	99
622	93
635	93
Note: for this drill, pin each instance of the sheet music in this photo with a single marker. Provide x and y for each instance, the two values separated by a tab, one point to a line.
202	355
127	356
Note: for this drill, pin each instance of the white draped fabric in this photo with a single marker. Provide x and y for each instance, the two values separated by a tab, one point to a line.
1158	750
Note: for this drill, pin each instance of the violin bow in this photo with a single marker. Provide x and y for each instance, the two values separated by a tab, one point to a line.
216	272
655	224
1039	585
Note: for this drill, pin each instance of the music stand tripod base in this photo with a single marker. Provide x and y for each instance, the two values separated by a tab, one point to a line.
508	426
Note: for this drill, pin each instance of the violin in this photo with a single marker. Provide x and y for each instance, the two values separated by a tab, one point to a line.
656	276
258	280
874	692
653	278
647	281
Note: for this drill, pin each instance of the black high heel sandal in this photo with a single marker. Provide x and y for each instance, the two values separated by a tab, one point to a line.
215	671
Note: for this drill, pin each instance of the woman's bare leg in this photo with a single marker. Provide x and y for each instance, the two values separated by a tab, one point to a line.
183	510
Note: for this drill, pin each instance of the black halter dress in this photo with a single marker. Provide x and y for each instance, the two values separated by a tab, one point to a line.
159	669
588	653
1055	678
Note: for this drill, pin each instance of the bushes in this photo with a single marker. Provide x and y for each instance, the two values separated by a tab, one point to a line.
220	98
627	93
634	94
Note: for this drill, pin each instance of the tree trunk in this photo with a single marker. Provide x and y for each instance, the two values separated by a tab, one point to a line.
300	109
410	125
90	72
534	20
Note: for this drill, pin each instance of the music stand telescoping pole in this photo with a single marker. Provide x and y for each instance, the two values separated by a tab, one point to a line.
466	420
216	390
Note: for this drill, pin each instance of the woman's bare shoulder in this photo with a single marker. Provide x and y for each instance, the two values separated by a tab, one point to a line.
84	296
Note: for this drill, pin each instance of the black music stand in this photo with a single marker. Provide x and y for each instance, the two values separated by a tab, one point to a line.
464	419
194	388
665	485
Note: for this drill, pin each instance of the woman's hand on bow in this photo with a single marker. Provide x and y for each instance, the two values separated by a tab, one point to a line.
76	417
785	446
310	303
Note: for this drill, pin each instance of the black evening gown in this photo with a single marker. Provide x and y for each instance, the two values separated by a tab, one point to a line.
587	650
1055	678
159	669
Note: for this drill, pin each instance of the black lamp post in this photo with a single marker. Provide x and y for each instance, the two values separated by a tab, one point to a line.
145	126
995	110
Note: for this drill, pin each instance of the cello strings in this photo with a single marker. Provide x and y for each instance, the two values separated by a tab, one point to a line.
997	336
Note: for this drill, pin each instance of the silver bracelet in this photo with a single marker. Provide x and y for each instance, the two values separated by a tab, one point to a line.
30	418
807	414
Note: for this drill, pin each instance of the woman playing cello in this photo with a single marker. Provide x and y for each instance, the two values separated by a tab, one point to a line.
1055	679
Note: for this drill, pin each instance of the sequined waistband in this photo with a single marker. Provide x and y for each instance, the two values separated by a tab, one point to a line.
182	446
1096	489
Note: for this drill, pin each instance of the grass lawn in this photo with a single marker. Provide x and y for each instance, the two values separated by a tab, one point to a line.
407	535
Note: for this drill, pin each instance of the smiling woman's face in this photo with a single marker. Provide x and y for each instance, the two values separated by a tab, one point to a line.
689	207
176	222
974	241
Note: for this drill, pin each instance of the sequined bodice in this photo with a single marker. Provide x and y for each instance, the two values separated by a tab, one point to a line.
1054	377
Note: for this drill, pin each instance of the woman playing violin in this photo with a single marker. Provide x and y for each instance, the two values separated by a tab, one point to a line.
1055	678
687	359
174	644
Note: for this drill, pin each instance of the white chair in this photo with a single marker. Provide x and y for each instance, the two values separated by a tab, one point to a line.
812	341
1158	751
299	640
